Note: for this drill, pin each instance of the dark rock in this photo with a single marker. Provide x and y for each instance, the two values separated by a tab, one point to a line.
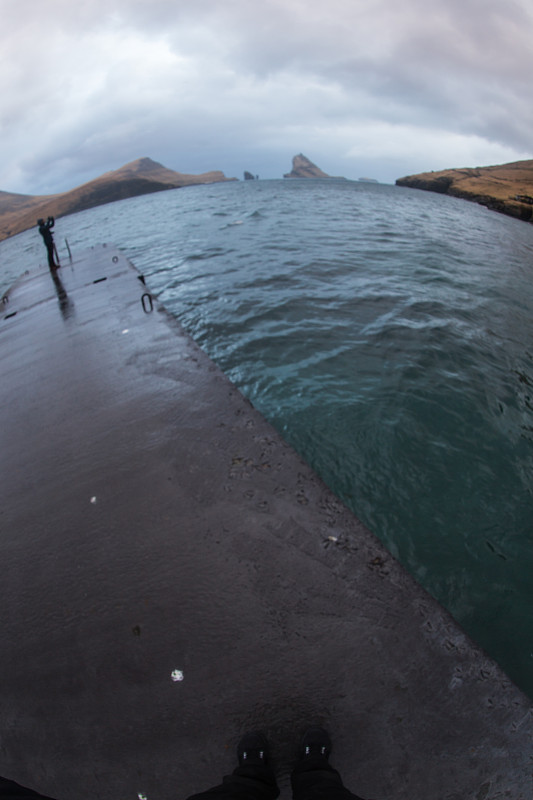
439	184
302	167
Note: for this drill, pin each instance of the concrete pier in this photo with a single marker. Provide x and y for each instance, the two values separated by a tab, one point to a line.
173	574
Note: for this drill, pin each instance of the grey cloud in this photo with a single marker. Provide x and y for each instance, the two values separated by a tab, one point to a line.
239	75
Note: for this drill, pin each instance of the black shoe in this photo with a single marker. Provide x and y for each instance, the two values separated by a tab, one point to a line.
252	749
315	744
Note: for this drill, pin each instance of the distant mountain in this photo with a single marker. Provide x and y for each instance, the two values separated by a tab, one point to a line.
19	212
302	167
507	188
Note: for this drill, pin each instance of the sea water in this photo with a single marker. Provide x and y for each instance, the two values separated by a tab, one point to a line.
387	333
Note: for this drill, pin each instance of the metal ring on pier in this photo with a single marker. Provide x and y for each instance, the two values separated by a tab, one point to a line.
150	303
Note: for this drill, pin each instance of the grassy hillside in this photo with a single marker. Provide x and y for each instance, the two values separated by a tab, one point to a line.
507	188
19	212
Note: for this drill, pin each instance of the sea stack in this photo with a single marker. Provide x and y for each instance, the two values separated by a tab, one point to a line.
302	167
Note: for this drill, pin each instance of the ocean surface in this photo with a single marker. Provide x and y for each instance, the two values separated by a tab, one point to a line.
387	333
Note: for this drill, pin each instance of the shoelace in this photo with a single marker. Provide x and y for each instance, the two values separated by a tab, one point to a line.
308	750
261	755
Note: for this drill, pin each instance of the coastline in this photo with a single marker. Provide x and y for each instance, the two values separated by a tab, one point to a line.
507	188
19	212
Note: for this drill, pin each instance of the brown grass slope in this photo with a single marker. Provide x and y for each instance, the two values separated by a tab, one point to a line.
19	212
507	188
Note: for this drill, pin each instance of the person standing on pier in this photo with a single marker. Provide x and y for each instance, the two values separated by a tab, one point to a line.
48	238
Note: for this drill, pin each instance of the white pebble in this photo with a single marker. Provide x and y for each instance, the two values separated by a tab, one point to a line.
177	675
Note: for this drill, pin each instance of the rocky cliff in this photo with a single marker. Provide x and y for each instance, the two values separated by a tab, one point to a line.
303	168
507	188
19	212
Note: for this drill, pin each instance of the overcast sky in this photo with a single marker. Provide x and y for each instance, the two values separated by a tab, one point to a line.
364	88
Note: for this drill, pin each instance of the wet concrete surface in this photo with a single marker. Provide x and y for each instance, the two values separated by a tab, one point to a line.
152	521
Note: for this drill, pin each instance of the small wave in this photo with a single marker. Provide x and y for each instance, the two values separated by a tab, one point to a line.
211	252
232	224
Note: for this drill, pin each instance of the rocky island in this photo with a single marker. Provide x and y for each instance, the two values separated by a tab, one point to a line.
507	188
302	167
18	212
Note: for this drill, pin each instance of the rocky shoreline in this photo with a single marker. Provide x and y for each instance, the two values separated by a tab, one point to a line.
507	188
